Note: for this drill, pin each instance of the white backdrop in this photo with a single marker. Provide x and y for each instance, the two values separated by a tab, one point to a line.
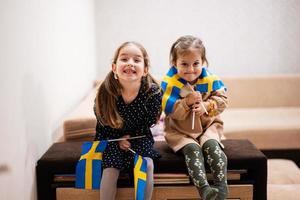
242	37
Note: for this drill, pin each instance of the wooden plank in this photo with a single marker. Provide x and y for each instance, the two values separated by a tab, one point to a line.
242	192
161	178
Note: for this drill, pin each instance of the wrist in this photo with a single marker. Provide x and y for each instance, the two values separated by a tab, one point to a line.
212	108
185	105
206	105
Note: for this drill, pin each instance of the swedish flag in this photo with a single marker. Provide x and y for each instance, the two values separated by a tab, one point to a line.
88	169
172	84
140	176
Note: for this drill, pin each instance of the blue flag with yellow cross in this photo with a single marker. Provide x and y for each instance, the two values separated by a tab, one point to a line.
140	176
172	83
88	169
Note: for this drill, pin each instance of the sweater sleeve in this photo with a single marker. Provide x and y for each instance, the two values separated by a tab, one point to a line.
153	105
102	132
219	99
180	110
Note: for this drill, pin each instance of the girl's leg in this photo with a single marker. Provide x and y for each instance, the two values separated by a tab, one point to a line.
195	164
149	186
108	188
217	161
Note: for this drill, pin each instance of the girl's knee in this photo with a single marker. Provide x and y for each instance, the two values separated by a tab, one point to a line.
211	142
150	165
191	148
111	173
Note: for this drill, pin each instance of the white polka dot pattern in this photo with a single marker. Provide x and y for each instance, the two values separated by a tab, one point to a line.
138	117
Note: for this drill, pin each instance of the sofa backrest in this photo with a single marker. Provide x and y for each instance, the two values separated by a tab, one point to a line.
263	91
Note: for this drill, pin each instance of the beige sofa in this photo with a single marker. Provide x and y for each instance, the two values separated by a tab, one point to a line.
265	110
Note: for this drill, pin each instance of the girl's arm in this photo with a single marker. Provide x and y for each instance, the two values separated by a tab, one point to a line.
180	110
102	132
216	102
153	105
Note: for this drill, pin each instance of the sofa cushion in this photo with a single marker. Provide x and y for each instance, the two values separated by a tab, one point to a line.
283	179
283	191
267	128
282	171
81	129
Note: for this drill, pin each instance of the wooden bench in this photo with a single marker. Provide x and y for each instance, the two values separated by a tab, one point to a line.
247	172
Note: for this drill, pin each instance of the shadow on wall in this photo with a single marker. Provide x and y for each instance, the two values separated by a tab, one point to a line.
4	169
35	114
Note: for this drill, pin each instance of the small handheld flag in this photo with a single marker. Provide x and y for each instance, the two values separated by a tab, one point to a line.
88	169
140	176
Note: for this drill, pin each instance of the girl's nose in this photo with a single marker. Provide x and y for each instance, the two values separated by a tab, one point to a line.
190	68
130	62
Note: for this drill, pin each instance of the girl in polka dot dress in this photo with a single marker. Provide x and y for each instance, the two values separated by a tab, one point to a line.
127	104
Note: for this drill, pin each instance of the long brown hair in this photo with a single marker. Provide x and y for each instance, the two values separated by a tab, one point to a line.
110	89
184	44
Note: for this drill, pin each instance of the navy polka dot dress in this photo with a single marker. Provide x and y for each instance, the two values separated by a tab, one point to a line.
138	117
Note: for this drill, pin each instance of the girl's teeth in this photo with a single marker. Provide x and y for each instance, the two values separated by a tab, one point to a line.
129	71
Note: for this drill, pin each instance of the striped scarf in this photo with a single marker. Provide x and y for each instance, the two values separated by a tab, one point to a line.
172	84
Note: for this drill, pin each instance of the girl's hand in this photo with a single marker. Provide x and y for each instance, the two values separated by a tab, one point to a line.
125	144
193	98
200	108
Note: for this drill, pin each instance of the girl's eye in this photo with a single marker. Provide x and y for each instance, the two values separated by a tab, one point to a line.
196	64
123	59
184	64
137	60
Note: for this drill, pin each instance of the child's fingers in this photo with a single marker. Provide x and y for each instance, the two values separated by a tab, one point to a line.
193	97
199	96
128	143
198	110
124	144
196	107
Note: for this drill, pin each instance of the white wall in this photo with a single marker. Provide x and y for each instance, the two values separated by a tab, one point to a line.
47	63
242	37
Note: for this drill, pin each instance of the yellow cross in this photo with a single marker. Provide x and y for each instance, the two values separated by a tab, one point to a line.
172	81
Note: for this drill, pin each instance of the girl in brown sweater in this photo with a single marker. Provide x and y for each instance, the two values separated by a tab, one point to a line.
193	100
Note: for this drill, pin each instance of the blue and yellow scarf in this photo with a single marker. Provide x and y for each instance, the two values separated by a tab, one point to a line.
172	84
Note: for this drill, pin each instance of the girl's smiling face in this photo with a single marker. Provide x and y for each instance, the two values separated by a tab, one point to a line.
130	65
189	65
